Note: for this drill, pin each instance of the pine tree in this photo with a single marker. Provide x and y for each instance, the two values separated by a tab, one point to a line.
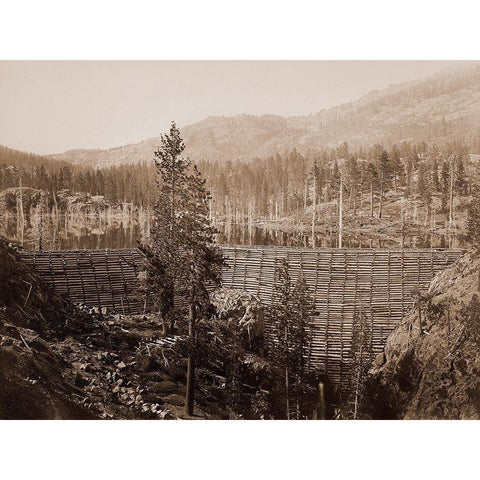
373	177
351	179
444	185
315	174
181	258
384	174
435	176
396	166
461	183
362	357
162	253
291	318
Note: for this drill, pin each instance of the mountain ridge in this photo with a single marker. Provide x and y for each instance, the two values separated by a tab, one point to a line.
442	107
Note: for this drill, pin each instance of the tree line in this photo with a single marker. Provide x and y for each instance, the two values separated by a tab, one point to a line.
289	184
122	183
284	185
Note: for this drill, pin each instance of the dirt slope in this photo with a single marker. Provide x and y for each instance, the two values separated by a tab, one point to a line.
31	318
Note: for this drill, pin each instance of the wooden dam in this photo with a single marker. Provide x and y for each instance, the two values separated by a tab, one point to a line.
341	281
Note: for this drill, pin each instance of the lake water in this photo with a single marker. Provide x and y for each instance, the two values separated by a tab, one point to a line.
70	233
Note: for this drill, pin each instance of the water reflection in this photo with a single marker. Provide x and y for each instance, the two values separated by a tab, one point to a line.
244	235
66	232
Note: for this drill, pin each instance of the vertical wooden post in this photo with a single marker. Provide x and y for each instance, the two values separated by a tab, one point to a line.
319	411
321	398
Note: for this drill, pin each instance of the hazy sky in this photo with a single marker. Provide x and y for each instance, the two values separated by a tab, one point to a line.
51	107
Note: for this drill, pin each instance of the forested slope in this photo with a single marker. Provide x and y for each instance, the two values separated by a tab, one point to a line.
441	108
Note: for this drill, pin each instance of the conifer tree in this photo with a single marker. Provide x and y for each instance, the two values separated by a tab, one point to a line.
461	183
373	177
315	174
435	175
444	185
396	165
181	258
362	357
291	318
384	174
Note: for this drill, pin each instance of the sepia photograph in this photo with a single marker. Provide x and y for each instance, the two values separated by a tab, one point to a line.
243	266
239	240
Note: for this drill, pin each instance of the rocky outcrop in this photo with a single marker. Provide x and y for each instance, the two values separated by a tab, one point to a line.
33	380
434	373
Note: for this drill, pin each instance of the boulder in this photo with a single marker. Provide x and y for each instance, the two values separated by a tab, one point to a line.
174	399
163	388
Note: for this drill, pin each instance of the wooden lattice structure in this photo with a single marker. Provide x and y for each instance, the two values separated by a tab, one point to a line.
106	279
341	281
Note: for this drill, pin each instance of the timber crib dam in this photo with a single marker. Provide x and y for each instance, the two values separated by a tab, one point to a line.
377	282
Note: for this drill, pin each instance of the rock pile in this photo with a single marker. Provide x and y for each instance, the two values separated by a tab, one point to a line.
57	361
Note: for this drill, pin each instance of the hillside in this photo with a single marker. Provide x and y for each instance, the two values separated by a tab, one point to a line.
434	375
16	159
443	107
58	361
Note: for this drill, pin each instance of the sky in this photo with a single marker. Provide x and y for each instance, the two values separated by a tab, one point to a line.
54	106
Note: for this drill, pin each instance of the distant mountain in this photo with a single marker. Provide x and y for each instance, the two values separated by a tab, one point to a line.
445	106
17	159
